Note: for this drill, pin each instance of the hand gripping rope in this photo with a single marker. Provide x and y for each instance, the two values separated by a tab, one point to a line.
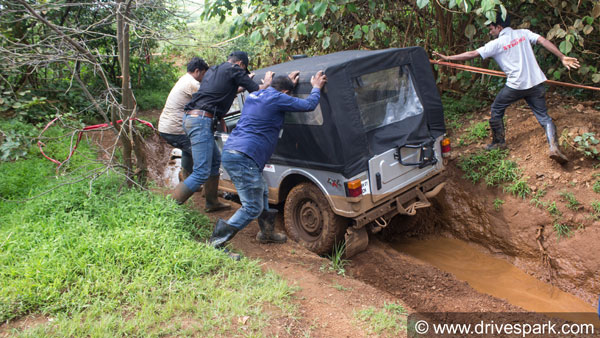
96	126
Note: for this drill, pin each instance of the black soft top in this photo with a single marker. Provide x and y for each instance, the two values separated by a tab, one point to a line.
341	143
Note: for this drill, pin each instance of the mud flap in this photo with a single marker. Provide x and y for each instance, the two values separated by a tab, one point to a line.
357	241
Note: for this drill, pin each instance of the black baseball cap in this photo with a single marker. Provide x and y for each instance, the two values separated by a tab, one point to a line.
242	56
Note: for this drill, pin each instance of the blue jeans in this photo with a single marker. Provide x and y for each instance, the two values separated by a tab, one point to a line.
534	97
206	155
250	185
182	142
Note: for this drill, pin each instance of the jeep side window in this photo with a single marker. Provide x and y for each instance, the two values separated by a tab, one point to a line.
312	118
386	96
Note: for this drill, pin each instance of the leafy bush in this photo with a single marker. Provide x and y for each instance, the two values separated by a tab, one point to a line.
476	132
155	82
456	109
587	144
16	138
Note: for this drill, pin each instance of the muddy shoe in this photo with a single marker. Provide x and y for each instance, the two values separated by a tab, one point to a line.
267	234
554	151
498	140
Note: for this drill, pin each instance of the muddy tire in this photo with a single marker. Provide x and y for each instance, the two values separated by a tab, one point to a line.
309	220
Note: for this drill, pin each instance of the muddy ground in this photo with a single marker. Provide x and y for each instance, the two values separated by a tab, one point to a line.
518	232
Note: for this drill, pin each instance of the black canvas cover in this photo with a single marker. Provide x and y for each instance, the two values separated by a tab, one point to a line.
342	143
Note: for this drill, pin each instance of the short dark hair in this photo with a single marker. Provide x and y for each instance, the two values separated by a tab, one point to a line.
282	82
196	63
501	22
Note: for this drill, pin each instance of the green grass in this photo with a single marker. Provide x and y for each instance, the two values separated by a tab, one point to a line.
553	210
595	209
103	261
536	200
476	132
390	320
519	188
498	203
572	202
458	109
596	187
337	263
562	230
491	166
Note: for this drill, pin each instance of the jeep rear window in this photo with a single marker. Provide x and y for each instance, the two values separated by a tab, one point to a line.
311	118
386	96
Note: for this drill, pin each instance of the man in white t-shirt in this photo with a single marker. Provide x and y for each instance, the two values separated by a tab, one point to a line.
525	80
170	124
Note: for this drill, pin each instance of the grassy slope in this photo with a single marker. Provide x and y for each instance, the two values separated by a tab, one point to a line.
106	262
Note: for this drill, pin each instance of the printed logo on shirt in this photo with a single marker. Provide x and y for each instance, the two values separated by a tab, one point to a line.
514	43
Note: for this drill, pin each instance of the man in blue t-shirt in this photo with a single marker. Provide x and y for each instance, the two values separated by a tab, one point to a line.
250	146
525	80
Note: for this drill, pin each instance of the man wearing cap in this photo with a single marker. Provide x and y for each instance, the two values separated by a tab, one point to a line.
212	101
525	80
170	122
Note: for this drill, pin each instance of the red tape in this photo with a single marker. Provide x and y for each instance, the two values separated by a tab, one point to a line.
88	128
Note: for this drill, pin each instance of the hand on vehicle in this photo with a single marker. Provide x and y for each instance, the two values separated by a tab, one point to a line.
318	80
441	56
294	76
268	78
251	75
570	63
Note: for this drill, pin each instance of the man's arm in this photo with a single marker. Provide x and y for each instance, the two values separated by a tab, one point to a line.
290	103
569	62
458	57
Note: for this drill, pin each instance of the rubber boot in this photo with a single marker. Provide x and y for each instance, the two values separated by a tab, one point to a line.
498	141
222	233
211	188
554	152
181	193
267	234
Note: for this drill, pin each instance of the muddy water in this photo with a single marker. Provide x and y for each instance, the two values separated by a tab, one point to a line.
495	276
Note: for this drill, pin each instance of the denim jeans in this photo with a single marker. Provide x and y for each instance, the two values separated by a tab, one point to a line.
206	155
534	97
250	185
182	142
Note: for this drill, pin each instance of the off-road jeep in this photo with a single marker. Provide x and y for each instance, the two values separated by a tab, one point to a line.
372	149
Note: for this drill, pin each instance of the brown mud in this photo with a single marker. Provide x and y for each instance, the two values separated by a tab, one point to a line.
518	233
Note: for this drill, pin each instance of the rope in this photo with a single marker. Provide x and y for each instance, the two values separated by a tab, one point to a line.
501	74
88	128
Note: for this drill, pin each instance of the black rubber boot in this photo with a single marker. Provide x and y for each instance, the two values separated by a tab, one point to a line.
222	233
211	188
267	234
555	153
181	193
498	141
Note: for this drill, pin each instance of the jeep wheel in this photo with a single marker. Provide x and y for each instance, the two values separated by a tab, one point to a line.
310	221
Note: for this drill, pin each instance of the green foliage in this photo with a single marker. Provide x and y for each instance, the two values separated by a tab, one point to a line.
596	187
16	138
457	109
338	263
572	202
519	188
23	105
498	203
562	230
390	320
595	209
536	200
553	210
102	261
588	145
492	166
477	131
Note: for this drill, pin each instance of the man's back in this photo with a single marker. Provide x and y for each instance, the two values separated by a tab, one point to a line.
513	52
171	118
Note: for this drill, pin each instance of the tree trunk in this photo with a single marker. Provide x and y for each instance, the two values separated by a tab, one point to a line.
131	140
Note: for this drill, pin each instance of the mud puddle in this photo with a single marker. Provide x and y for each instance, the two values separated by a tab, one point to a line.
496	277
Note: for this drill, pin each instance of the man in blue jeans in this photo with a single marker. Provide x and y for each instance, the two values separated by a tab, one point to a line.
170	125
525	80
212	101
250	146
